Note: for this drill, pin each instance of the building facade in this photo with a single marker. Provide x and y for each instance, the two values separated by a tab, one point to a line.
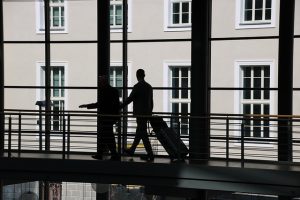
244	54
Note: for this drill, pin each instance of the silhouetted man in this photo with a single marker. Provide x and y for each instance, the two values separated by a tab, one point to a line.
109	105
142	98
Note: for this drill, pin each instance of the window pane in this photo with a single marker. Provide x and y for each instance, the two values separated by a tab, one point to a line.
176	7
184	108
184	82
258	4
55	117
247	84
247	72
257	84
119	10
266	122
248	4
256	109
246	109
266	85
268	14
257	72
258	14
248	15
118	20
268	3
62	16
62	81
175	72
185	18
56	11
175	18
175	108
56	82
185	7
267	71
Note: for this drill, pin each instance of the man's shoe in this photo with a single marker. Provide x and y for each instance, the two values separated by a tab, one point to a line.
97	156
128	152
147	158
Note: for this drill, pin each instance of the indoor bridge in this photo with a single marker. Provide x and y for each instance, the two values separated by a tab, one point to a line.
237	162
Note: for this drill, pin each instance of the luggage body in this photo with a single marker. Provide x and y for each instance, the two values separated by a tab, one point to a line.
168	138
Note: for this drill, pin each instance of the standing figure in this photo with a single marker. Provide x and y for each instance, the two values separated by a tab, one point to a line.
108	105
142	98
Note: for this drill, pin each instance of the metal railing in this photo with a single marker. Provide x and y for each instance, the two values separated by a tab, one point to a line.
241	137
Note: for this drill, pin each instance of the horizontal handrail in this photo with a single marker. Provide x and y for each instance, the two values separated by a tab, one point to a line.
76	130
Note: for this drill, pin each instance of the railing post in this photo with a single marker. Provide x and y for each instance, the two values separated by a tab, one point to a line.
119	136
68	134
242	143
227	138
9	136
19	133
40	128
64	136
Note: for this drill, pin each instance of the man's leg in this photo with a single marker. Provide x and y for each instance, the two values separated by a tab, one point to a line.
110	139
136	141
145	138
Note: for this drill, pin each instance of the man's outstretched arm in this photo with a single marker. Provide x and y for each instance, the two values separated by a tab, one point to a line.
89	106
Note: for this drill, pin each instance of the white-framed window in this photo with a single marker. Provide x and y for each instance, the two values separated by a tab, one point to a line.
116	78
180	99
256	101
255	13
178	15
58	16
58	95
116	15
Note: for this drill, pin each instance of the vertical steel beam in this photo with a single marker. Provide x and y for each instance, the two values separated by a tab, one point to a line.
125	68
2	124
103	46
1	81
103	51
200	80
47	75
103	37
285	78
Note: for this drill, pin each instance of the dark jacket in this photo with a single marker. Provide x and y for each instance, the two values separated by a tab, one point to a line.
109	103
142	98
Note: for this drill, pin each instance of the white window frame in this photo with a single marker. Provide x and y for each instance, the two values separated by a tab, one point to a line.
119	29
241	24
238	93
40	28
167	95
168	25
39	78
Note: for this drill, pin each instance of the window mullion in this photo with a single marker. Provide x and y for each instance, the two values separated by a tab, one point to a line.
264	10
253	10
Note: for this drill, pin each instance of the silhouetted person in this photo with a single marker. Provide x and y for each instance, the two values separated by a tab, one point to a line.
142	98
109	105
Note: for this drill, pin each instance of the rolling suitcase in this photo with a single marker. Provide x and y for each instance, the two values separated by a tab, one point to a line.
172	143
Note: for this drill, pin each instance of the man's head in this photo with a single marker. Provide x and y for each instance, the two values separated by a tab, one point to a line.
103	81
140	74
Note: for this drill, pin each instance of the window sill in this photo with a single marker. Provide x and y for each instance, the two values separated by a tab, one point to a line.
255	25
177	28
52	31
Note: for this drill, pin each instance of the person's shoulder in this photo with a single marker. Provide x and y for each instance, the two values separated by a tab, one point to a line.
148	84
